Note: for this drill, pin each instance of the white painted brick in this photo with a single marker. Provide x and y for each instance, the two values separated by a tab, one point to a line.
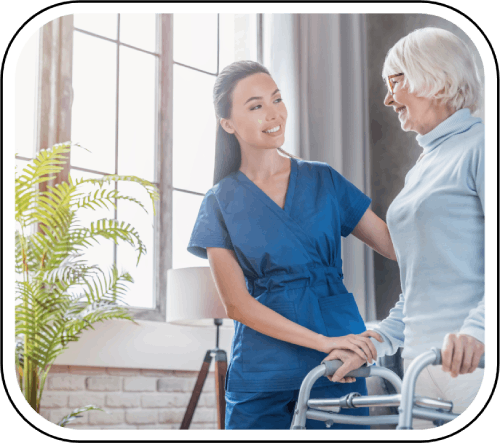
122	400
65	382
187	374
112	417
208	400
139	384
166	400
80	399
104	427
173	415
141	417
204	415
176	384
51	399
104	383
184	384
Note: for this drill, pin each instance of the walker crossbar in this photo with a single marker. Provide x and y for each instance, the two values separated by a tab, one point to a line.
410	406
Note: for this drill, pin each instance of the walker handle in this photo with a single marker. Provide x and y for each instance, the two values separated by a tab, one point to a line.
439	359
365	371
333	365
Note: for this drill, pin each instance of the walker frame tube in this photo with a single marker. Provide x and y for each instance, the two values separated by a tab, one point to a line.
410	406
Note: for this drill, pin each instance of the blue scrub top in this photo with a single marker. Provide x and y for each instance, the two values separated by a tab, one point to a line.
291	260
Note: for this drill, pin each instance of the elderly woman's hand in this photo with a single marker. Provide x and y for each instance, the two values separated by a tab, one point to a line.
351	362
461	354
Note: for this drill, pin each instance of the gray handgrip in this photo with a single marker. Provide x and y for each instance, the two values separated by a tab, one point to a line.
333	365
439	360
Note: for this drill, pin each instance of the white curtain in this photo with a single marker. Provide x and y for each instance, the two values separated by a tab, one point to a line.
318	62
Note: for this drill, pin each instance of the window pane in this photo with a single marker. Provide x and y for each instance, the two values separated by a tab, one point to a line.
194	130
141	292
185	211
238	38
25	105
139	30
101	253
195	40
102	24
136	124
93	113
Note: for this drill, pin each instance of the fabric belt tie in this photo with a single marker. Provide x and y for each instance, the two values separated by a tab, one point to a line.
293	280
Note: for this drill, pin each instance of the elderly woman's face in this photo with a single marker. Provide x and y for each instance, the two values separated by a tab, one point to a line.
418	114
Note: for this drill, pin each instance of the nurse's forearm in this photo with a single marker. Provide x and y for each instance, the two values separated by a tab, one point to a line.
262	319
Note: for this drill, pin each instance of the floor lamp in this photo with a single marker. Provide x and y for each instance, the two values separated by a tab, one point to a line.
193	300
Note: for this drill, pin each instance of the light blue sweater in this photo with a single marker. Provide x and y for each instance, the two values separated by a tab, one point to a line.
437	227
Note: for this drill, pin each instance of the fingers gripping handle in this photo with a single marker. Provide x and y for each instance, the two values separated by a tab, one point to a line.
333	365
365	371
439	360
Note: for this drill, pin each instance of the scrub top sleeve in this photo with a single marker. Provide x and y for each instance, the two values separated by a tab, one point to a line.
352	202
209	229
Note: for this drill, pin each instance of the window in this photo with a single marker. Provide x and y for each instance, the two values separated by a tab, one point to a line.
115	85
136	91
25	107
203	45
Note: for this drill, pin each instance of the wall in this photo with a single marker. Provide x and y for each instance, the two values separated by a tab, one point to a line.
393	152
134	398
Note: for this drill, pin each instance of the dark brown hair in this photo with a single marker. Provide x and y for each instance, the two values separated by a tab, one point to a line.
227	147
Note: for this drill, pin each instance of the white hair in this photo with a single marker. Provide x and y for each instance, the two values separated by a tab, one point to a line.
437	64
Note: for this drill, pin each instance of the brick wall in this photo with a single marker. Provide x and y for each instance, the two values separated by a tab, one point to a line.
134	398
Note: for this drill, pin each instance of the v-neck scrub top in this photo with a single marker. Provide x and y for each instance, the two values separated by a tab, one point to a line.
291	260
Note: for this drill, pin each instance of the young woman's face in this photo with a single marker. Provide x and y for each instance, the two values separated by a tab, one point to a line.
258	116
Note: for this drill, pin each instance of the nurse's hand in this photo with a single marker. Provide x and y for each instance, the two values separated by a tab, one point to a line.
360	344
351	362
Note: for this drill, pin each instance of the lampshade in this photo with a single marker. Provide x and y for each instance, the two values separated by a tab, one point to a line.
192	298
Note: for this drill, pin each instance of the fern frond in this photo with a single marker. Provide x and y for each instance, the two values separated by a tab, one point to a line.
150	188
113	230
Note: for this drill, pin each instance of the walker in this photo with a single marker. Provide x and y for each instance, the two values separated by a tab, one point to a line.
410	405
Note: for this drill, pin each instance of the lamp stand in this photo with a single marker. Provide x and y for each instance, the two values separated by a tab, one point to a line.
220	376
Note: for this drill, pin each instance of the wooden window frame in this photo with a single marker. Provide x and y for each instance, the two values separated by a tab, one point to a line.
53	125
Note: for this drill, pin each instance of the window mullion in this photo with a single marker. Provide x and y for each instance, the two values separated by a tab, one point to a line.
55	93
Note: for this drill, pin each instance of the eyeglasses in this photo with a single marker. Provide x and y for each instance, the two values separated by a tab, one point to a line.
389	81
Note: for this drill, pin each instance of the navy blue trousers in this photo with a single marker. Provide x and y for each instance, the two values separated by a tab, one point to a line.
274	410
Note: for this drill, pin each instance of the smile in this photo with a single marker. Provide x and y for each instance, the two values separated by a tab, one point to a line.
269	131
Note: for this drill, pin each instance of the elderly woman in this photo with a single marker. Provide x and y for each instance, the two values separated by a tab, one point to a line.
437	220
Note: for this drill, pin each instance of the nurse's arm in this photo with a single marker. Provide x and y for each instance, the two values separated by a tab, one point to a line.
241	306
373	231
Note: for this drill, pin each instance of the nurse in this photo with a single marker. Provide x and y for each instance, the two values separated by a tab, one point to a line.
271	230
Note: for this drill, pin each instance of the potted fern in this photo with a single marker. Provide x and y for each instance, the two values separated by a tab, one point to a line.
50	243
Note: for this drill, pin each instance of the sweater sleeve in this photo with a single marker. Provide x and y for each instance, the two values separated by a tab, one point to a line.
474	323
392	330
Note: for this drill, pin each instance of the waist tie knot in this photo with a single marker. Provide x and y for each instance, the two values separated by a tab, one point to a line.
298	279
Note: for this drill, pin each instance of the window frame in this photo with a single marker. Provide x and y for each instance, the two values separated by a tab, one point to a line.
53	125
